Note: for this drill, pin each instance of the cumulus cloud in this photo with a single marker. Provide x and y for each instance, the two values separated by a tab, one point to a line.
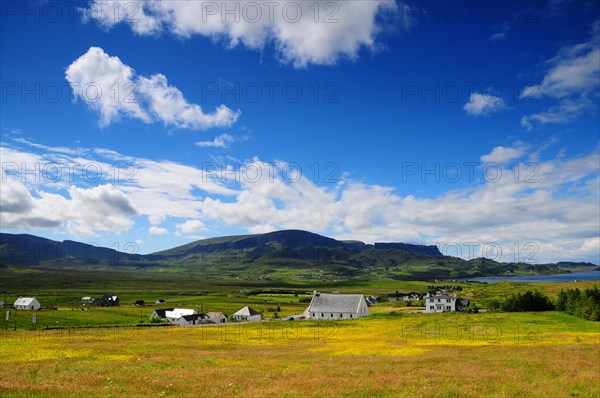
222	141
483	104
572	79
81	211
502	154
190	227
302	33
552	204
112	89
103	208
154	230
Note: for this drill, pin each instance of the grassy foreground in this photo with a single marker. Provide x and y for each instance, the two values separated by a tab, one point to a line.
389	354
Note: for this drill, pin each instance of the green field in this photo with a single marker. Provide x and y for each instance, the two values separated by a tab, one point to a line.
386	355
85	351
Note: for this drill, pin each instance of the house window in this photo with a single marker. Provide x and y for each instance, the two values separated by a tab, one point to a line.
313	314
332	315
431	307
350	316
322	315
341	315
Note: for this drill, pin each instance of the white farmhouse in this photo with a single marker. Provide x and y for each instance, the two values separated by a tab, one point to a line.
337	306
444	303
27	303
247	314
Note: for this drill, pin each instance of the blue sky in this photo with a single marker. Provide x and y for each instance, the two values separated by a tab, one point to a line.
470	125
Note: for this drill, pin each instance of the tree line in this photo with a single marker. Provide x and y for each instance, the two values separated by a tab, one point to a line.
584	304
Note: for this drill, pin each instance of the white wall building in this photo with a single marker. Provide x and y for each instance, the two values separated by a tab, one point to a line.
217	317
444	303
191	320
337	306
247	314
27	303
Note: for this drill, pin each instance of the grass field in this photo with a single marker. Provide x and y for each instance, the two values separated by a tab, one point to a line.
389	354
99	352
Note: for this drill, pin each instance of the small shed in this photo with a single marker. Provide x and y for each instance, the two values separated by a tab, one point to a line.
27	303
247	314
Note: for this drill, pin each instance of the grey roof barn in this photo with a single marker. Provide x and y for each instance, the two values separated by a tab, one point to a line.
337	306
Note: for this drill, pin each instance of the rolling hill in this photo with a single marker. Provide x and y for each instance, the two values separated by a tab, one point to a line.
280	255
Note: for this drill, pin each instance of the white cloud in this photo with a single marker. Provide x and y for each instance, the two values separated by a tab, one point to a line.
483	104
222	141
154	230
552	203
82	211
190	227
572	78
112	88
502	154
303	33
98	80
501	32
103	208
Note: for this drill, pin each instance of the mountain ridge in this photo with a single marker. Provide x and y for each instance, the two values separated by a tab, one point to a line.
277	254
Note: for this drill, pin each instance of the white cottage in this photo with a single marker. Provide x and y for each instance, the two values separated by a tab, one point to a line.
27	303
444	303
337	306
247	314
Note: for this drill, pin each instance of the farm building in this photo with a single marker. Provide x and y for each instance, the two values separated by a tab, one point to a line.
217	317
160	313
27	303
444	303
87	299
160	301
337	306
176	313
247	314
371	300
107	301
172	315
412	297
191	320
